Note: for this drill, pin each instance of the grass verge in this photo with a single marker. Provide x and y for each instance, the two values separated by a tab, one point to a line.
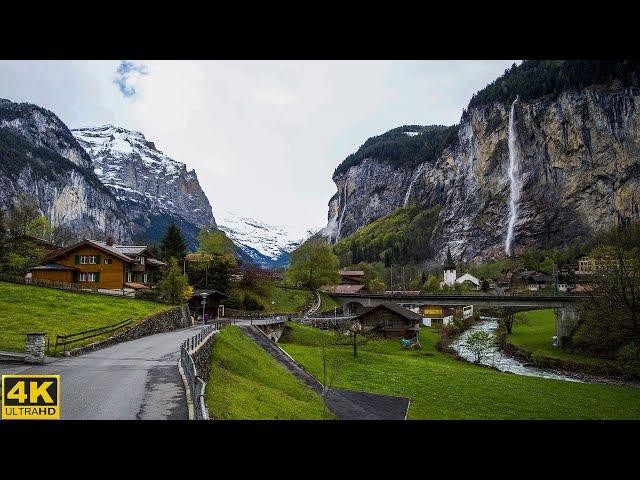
247	383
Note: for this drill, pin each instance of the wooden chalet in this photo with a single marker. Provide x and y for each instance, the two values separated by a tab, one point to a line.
100	265
351	277
391	320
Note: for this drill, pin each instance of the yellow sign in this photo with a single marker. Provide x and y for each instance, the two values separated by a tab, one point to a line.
436	311
35	397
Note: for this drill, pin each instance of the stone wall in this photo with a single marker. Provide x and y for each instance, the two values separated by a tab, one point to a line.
202	358
166	321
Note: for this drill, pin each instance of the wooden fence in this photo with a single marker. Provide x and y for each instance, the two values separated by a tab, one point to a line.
64	341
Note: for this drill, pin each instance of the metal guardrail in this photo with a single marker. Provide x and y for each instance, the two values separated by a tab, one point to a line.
196	384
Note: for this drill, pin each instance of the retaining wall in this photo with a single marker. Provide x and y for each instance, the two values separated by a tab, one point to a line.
166	321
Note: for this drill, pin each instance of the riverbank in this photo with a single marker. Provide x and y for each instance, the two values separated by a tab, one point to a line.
441	387
531	343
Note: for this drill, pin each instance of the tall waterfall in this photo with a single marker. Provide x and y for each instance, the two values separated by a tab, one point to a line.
413	180
514	179
341	215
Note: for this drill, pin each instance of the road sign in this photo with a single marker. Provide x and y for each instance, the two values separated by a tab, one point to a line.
30	397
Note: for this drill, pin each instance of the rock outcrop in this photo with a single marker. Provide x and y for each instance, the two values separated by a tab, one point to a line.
150	187
40	160
578	155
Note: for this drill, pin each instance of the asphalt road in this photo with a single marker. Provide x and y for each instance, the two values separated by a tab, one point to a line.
133	380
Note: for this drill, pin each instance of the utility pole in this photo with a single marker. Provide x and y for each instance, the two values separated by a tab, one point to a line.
392	278
555	279
404	286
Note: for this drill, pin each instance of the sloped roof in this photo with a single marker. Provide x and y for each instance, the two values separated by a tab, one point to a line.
94	243
130	249
351	273
394	307
344	289
154	262
54	267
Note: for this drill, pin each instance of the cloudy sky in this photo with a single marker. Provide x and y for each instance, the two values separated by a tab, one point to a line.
263	136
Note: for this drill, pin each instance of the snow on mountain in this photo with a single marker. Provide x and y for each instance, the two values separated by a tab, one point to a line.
263	244
151	187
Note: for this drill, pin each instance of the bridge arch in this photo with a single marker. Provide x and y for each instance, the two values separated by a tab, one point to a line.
350	308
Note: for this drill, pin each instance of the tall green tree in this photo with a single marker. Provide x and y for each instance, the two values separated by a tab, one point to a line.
173	244
174	285
313	265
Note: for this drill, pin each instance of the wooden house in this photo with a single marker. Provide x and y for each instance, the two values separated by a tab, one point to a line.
100	265
351	277
391	320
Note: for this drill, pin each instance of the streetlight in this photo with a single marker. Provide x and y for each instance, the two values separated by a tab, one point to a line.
204	304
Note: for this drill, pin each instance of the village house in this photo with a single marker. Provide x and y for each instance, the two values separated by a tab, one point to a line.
451	275
391	320
351	277
535	280
100	265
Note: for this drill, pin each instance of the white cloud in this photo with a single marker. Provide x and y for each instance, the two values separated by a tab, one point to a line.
263	136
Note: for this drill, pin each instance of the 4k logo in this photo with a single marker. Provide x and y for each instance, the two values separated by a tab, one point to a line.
30	397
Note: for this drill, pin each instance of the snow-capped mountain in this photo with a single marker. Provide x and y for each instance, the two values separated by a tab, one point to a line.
260	243
150	187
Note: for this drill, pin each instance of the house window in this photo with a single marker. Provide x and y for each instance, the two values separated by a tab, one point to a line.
88	276
128	276
141	260
108	261
145	278
89	259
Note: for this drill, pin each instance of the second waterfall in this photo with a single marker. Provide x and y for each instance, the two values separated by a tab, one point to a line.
514	180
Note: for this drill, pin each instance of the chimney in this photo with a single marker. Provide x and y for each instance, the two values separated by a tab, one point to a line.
110	241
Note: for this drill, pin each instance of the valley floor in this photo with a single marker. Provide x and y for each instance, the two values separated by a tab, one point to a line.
441	387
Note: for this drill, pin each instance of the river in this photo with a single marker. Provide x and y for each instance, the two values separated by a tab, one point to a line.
497	358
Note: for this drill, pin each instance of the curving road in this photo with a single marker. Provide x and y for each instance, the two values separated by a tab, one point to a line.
133	380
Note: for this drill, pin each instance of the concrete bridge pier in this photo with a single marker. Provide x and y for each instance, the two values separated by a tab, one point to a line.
567	320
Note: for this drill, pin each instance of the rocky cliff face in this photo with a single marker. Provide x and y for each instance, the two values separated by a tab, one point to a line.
578	156
41	160
152	188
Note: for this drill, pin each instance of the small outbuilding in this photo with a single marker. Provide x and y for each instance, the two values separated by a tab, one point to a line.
391	320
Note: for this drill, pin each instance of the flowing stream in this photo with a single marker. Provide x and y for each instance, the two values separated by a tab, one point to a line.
514	179
497	358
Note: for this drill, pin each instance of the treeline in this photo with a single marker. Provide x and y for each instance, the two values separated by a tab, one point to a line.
537	78
401	237
398	148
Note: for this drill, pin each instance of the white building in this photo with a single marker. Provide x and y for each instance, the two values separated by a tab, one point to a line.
451	276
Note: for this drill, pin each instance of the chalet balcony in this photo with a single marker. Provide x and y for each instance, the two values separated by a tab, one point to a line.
137	267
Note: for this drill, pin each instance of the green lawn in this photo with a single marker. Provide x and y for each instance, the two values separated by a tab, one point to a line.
327	303
25	308
535	335
443	388
285	300
247	383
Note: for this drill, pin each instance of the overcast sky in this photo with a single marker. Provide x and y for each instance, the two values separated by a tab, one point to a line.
263	136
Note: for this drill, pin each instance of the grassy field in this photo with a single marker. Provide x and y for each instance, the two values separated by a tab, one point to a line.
441	387
25	308
284	299
327	304
534	331
247	383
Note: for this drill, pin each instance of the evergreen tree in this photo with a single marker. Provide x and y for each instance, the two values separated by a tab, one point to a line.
173	244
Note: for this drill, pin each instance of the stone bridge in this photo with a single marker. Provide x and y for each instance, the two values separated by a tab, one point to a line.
564	305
